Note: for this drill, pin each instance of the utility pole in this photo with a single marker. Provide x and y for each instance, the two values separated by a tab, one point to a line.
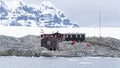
99	23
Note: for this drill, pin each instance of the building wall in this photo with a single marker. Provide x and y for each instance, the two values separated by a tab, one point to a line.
49	43
75	37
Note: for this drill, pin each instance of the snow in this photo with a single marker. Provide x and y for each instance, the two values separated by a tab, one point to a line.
12	4
47	4
58	62
18	13
16	31
90	32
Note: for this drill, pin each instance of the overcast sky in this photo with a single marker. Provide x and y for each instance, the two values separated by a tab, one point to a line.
86	12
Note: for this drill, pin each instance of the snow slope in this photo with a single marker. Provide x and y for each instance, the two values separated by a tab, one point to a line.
90	32
19	31
18	13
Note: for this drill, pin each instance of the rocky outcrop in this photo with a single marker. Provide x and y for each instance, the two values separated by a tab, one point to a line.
31	46
102	47
110	42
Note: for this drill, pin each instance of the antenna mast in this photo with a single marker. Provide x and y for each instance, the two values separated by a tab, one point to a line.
99	24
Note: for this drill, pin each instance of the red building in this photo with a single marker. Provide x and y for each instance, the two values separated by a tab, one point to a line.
50	41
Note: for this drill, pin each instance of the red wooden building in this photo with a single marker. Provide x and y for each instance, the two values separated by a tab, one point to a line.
50	41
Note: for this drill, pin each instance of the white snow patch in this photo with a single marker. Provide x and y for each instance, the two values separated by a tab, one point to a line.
73	59
19	31
89	32
12	4
85	63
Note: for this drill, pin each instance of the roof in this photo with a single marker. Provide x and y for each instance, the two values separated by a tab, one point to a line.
57	33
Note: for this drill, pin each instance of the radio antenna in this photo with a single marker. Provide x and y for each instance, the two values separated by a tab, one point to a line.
99	23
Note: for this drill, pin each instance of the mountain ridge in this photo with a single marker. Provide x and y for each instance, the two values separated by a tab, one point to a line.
47	15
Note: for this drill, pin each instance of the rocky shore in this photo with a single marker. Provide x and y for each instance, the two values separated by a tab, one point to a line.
30	46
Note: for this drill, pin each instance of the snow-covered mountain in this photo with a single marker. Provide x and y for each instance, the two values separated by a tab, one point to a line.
17	13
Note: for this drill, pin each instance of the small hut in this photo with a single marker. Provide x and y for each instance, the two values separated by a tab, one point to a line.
49	43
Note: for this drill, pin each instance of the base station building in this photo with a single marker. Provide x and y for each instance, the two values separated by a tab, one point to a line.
50	41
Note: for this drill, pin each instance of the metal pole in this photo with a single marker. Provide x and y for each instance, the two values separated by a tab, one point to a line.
99	24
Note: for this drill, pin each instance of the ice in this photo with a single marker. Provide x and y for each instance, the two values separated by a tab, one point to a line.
58	62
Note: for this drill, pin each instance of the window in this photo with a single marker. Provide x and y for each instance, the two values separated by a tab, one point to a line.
70	36
48	42
80	36
66	36
76	36
63	36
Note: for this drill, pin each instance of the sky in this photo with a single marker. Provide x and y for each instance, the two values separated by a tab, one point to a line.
86	12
